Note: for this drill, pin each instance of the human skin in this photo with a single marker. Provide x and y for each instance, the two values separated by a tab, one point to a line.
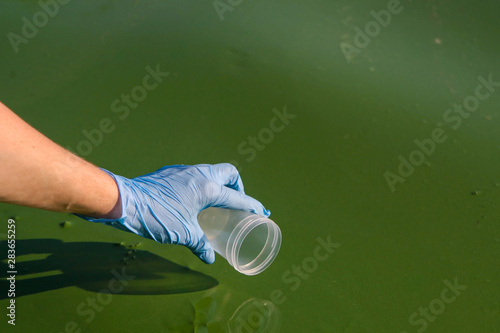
37	172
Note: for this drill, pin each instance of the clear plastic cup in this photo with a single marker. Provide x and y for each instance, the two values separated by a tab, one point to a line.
248	242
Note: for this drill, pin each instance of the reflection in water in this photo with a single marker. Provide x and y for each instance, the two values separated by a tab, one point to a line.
255	315
226	310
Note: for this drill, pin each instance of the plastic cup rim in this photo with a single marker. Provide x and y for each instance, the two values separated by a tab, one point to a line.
236	239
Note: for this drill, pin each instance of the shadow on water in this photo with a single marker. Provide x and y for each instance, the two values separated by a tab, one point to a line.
97	267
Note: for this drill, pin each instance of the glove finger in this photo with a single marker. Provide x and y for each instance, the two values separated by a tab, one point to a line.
229	198
164	171
203	250
175	166
226	174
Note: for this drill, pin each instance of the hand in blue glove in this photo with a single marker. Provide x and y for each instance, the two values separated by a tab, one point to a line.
164	205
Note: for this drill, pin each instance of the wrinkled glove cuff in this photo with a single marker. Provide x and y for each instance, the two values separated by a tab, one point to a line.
119	222
135	213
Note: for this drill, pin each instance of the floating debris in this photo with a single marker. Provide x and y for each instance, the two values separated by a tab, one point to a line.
119	244
476	192
65	224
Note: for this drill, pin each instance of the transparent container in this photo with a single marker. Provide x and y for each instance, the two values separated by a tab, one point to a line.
248	242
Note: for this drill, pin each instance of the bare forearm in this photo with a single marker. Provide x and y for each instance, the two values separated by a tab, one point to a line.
36	172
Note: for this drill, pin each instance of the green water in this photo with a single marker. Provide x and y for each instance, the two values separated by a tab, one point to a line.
321	173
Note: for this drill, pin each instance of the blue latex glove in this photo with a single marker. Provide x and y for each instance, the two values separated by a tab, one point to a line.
164	205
